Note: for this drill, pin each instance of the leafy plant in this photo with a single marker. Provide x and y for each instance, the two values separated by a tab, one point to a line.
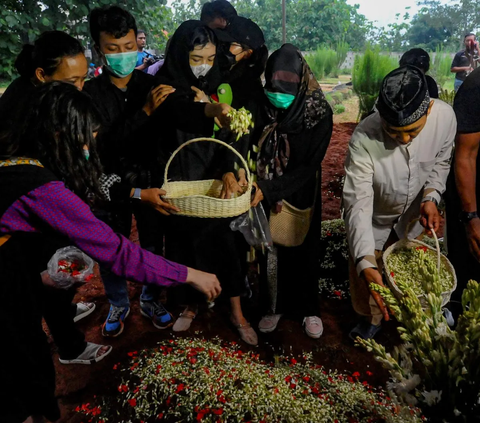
369	70
440	66
338	108
448	96
436	367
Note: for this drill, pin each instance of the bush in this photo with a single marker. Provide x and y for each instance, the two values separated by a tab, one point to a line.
326	61
447	96
440	67
330	99
338	97
346	71
368	73
338	108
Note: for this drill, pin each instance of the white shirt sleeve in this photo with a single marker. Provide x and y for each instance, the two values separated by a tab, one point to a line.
358	204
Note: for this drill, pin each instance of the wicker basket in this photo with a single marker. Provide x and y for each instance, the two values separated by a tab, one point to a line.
413	243
201	198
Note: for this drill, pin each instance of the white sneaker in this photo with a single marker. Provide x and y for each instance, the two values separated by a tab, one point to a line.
269	323
313	326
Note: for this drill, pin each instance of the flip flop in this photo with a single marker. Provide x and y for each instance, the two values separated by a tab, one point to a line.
89	355
184	321
247	333
83	310
364	330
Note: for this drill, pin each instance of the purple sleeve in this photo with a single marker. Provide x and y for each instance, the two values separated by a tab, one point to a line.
67	214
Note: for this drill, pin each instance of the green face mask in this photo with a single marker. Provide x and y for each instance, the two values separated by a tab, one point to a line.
280	100
121	64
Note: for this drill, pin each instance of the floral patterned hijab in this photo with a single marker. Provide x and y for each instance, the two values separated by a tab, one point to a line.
288	72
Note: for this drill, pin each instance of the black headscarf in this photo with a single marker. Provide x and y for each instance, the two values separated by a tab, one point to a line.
404	97
176	69
287	72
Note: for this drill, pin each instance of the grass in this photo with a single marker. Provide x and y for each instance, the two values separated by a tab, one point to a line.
334	81
351	111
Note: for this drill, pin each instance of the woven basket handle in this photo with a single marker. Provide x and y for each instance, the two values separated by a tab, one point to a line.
209	140
407	230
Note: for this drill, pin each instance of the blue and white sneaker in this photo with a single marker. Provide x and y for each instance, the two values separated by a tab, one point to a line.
160	317
114	325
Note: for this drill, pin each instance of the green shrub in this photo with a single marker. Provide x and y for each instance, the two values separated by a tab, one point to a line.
440	67
368	73
326	61
338	97
338	108
329	98
447	96
346	71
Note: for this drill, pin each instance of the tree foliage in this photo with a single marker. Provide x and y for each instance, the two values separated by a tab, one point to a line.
22	21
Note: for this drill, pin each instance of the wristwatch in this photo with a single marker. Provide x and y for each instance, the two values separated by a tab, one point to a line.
430	198
465	217
137	194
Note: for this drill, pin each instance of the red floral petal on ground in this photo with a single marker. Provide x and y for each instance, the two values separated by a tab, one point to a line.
132	402
356	374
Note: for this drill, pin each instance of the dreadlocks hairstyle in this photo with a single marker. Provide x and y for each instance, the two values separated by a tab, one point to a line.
61	121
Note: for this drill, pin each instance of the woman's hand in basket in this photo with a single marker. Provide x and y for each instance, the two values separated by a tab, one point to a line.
219	112
207	283
152	197
430	217
242	178
372	275
230	186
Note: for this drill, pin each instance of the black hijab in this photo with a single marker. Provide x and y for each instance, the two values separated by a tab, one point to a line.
287	72
176	69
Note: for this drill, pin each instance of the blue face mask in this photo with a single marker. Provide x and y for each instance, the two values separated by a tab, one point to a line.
121	64
280	100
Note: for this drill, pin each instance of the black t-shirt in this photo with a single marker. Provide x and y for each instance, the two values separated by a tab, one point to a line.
462	59
467	104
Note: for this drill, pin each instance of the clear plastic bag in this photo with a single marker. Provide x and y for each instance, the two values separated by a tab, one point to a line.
254	227
68	266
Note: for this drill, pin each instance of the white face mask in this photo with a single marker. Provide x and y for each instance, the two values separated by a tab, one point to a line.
200	70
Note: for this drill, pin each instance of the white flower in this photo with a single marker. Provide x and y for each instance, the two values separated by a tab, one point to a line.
443	331
432	397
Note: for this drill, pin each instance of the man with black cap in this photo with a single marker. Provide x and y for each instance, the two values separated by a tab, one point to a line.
217	14
396	170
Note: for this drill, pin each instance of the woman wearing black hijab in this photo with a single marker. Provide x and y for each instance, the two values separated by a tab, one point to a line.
191	68
297	130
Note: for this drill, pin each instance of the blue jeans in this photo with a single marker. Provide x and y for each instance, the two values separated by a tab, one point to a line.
117	291
457	84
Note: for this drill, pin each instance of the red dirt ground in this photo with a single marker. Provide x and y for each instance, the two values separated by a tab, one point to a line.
77	384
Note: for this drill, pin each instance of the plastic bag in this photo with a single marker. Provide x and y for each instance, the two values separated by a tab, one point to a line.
254	227
68	266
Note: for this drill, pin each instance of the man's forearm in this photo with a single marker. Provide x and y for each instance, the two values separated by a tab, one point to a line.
465	178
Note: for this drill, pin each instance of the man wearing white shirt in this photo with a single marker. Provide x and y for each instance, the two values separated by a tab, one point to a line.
396	169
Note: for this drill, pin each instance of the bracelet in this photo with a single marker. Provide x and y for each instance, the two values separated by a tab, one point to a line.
430	198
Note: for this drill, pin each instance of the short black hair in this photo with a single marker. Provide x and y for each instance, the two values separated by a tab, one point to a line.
47	53
113	20
217	9
141	31
416	57
469	35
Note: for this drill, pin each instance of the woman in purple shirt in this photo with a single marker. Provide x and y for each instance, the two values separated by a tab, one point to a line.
48	185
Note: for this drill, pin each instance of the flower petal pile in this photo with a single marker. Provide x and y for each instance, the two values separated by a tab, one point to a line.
199	380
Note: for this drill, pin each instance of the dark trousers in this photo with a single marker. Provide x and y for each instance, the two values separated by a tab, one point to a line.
59	313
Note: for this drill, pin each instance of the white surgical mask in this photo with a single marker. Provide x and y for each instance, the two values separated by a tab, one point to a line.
200	70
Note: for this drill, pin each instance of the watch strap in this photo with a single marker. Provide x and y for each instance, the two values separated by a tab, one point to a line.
465	217
137	194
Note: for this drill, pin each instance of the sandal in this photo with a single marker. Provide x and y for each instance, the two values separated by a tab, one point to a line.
364	330
184	321
89	355
247	333
83	310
